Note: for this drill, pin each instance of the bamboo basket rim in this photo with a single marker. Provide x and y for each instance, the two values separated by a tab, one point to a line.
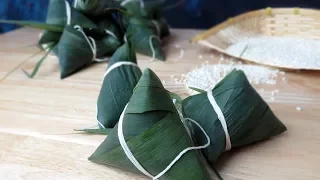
198	39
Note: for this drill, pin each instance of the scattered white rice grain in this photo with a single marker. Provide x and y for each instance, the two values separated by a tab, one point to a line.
284	79
200	56
172	76
207	76
273	99
299	108
177	46
272	93
261	90
181	54
163	82
282	73
276	91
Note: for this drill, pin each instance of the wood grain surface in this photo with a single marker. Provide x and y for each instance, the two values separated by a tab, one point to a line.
37	117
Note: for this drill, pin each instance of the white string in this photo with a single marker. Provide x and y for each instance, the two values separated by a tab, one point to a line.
118	64
135	162
92	44
75	3
125	39
186	150
126	149
221	118
142	5
110	33
156	24
152	47
68	11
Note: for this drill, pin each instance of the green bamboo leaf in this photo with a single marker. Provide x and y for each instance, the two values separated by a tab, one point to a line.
117	86
248	117
197	89
39	63
95	131
37	25
155	135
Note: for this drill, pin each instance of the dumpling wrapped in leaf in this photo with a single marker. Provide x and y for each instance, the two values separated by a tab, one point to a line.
95	7
151	129
76	50
145	38
233	114
121	77
61	13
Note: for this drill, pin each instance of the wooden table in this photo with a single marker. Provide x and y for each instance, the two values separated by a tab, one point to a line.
37	118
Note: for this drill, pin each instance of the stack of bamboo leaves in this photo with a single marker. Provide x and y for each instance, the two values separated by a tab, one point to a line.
92	31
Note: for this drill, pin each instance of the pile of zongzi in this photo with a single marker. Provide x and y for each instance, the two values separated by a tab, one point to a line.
153	137
92	31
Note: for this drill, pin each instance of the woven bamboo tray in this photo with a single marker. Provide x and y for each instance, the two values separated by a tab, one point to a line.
294	22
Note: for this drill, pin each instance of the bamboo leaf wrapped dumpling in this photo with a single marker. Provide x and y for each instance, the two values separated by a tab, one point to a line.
154	134
61	13
248	118
77	50
145	38
121	77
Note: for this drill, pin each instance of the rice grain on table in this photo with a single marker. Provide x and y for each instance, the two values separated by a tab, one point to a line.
290	52
207	76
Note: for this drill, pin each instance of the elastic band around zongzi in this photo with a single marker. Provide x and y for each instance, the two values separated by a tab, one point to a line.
221	118
92	44
152	47
135	162
118	64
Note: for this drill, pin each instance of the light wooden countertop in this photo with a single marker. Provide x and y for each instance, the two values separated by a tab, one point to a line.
37	118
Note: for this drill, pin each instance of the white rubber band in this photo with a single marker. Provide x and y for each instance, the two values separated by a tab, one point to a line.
152	47
126	149
142	5
92	44
221	118
68	11
118	64
128	1
110	33
75	3
135	162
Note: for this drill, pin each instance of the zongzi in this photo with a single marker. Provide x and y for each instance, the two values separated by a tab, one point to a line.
145	38
121	77
77	50
150	137
233	114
